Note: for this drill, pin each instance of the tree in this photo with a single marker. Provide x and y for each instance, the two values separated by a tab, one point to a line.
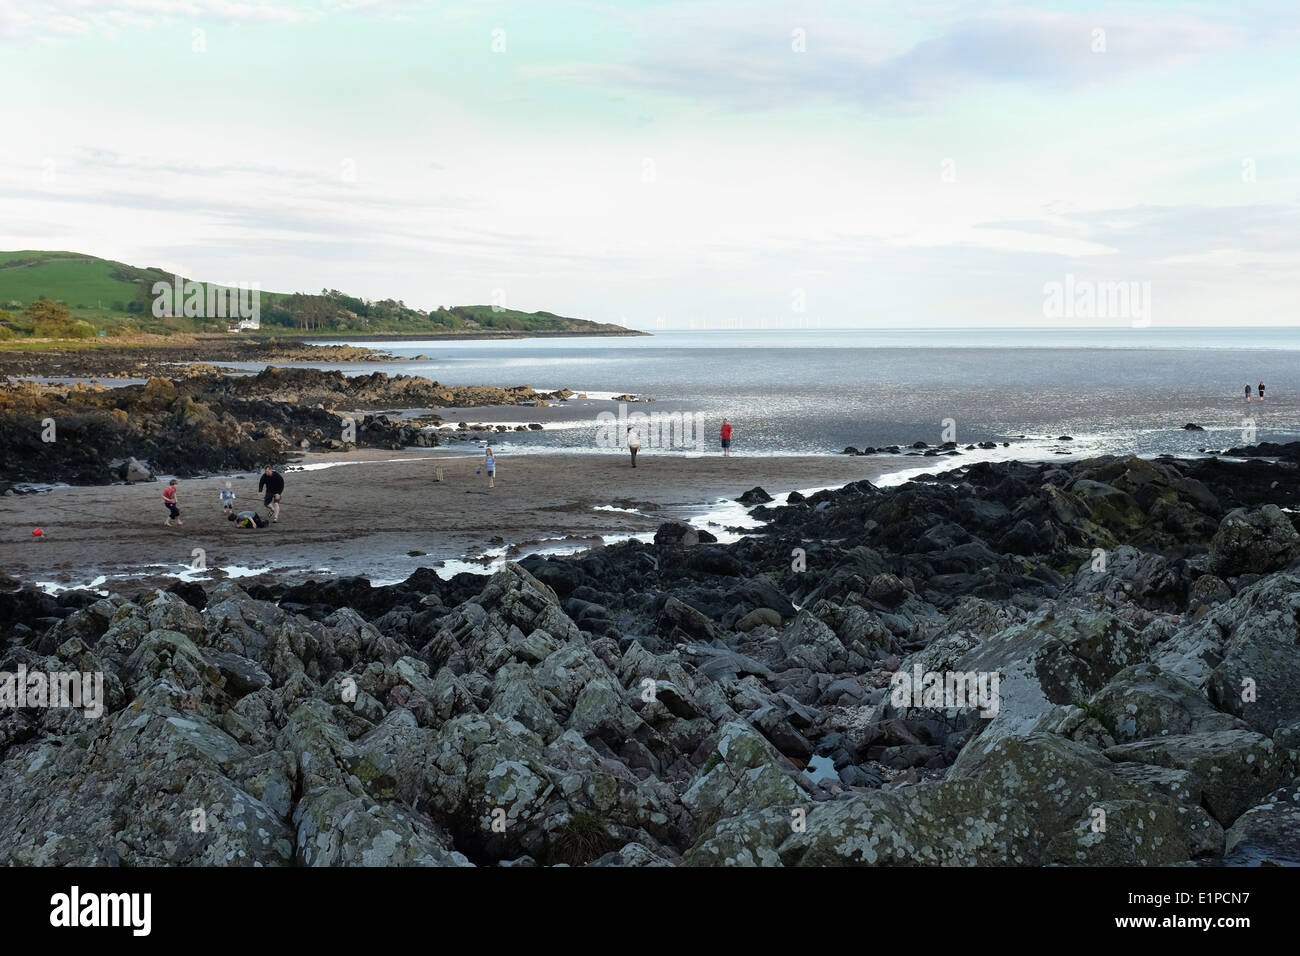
50	320
44	309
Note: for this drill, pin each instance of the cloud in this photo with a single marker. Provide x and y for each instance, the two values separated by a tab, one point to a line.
45	18
753	65
1173	234
66	18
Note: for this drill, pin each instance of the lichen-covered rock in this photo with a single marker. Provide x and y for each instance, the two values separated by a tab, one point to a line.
743	772
321	751
389	760
810	643
1243	653
490	778
507	620
1267	833
633	854
1137	833
1060	784
1142	702
517	695
1054	658
1253	542
338	828
145	787
1208	590
748	839
1132	575
1233	769
955	823
602	710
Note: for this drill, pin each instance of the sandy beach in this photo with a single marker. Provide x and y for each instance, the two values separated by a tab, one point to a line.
384	514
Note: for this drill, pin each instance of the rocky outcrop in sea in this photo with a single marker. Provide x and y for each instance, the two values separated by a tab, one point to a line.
1129	629
204	422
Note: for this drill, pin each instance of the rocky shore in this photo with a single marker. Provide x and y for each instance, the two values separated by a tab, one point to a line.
203	421
692	703
160	356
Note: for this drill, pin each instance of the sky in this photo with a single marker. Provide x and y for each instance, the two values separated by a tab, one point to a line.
674	165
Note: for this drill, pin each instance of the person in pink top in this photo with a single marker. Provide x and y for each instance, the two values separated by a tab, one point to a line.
173	505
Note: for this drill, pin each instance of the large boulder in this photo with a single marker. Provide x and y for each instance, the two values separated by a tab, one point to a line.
1063	785
1146	579
1142	702
1253	542
1056	657
1243	653
130	470
152	785
1267	833
807	642
337	828
744	772
1233	769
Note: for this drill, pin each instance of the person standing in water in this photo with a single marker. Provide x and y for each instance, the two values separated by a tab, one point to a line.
726	439
633	443
490	463
1261	391
1247	393
172	503
272	482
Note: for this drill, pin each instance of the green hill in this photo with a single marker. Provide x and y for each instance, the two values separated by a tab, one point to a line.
116	298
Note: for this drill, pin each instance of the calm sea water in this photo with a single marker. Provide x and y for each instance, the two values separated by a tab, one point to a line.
816	391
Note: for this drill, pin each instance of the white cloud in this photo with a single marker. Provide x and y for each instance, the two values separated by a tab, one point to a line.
719	54
42	18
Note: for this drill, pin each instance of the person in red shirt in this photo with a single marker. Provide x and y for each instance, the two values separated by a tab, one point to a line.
173	506
726	439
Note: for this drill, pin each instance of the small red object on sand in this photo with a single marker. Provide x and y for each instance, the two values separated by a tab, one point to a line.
37	533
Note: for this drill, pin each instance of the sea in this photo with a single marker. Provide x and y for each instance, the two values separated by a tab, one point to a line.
1044	392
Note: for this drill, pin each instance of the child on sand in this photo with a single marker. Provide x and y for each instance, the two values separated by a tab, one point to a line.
490	464
726	439
173	505
1247	393
228	499
633	443
1261	391
247	519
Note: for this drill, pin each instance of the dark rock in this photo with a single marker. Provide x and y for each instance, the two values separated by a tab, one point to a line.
1254	542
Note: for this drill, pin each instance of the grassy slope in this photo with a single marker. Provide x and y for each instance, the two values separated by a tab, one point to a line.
99	290
79	282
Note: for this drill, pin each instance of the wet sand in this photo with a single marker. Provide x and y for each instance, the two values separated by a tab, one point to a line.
366	511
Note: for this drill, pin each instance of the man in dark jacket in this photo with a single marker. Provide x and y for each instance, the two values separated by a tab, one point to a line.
272	482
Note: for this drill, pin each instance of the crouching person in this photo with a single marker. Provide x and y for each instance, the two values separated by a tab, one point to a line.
247	519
